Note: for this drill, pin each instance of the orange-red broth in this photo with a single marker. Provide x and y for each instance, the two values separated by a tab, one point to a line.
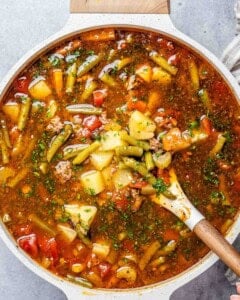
129	241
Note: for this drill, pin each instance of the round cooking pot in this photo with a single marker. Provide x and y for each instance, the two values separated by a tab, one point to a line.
145	15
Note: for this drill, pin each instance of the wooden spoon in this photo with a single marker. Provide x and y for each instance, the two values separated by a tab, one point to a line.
186	212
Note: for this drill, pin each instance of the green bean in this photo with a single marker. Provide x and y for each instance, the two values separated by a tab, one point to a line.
85	109
169	195
108	79
132	141
5	131
204	96
20	176
162	62
86	152
42	225
194	74
24	112
89	63
121	63
148	254
4	150
148	190
90	86
82	237
136	166
71	78
18	146
73	150
121	165
80	280
129	151
170	247
142	169
150	178
60	139
158	261
43	167
149	161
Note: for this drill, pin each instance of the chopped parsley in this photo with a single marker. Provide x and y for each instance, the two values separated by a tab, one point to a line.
54	60
49	184
228	137
209	171
160	186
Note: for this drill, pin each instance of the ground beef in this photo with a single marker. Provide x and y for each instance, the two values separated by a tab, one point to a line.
55	125
63	171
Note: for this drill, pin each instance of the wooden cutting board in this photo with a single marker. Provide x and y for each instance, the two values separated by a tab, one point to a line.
120	6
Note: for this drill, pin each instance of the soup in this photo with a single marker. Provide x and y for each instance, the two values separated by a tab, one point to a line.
89	135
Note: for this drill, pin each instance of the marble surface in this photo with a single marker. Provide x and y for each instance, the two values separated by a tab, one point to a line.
25	23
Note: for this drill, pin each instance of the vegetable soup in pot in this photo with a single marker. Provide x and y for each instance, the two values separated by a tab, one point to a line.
89	133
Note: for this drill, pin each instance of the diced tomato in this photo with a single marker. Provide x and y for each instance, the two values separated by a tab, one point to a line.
121	203
29	244
128	245
170	234
98	97
86	133
92	122
206	125
48	246
138	105
21	84
138	184
164	174
105	269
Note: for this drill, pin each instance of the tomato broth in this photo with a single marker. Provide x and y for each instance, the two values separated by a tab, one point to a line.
88	136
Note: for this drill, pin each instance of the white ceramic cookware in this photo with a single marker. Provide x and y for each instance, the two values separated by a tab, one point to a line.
141	14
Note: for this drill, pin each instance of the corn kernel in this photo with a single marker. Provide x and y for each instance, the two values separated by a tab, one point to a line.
77	268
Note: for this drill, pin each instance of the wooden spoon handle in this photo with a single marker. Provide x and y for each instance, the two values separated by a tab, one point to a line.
120	6
216	242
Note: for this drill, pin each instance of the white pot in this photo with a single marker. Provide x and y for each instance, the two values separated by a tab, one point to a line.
76	24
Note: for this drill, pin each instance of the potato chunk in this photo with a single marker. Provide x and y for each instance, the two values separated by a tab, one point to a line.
140	126
145	72
161	76
92	182
101	249
101	159
39	88
83	215
110	140
68	233
11	109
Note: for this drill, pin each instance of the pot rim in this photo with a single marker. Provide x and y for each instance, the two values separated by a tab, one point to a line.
83	22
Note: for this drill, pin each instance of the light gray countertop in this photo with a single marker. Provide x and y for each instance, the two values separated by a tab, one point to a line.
23	25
